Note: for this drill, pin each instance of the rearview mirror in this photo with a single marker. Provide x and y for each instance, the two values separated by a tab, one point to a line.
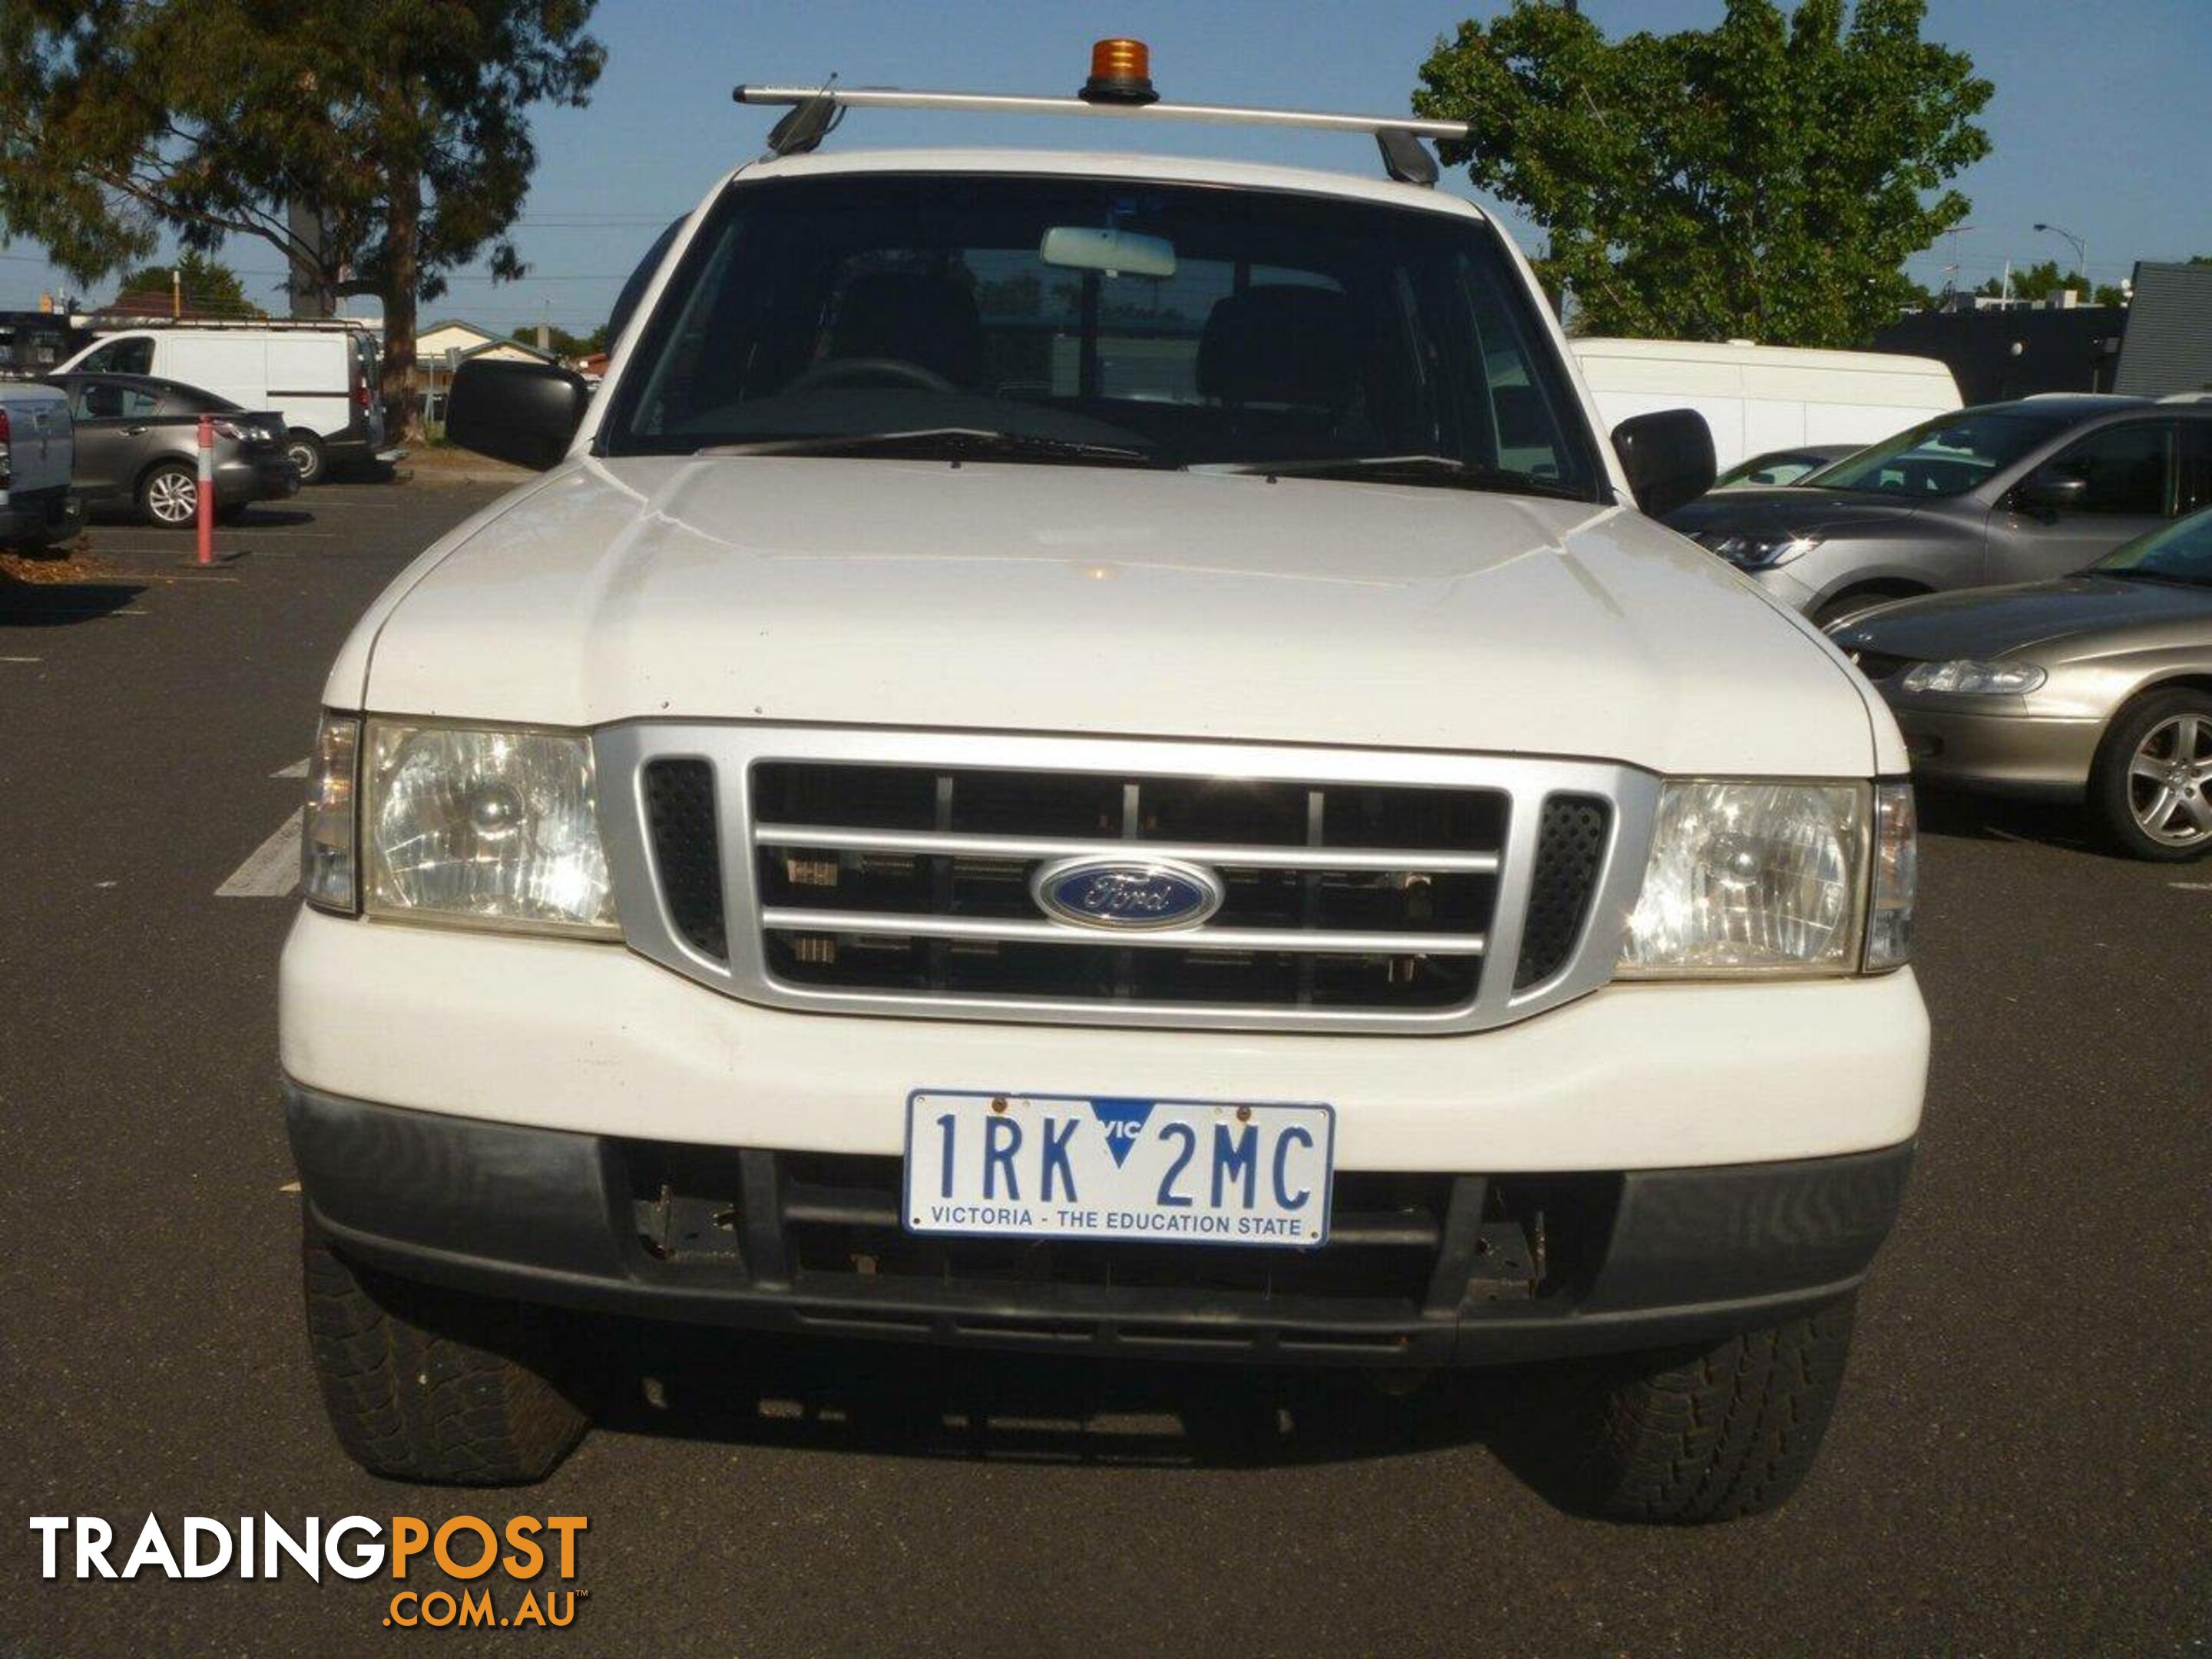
1668	459
2052	491
525	413
1117	253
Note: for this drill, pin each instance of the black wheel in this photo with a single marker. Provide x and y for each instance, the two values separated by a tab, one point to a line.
169	494
1710	1435
428	1384
2152	784
306	450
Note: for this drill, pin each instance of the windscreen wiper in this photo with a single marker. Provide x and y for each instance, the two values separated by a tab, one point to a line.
1439	471
948	442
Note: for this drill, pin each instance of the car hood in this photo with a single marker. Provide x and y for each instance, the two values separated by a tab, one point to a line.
1988	622
875	591
1785	509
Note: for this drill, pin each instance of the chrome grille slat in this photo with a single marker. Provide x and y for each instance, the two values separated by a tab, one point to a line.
1228	854
883	871
782	919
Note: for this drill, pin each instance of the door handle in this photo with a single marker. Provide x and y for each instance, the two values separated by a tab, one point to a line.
136	431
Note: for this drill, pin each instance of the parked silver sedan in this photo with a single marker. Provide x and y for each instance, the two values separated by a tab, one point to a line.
2095	687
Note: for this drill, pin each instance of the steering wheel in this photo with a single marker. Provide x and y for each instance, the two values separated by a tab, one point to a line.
843	371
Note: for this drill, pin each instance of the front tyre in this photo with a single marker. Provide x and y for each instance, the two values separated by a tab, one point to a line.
423	1383
1716	1434
2152	784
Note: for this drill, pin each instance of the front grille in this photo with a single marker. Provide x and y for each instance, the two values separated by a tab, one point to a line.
896	873
915	881
825	1227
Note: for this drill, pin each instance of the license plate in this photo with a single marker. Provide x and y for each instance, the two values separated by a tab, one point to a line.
1072	1166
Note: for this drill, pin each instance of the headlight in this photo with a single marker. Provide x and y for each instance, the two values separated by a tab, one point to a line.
1975	678
483	825
1758	552
1751	877
326	859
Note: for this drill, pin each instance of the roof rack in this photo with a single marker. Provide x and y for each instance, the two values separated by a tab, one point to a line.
1120	88
112	321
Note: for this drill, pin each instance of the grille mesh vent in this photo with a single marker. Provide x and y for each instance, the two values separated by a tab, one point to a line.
679	804
1569	850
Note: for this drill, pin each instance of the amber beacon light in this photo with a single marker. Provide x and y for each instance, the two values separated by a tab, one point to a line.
1121	73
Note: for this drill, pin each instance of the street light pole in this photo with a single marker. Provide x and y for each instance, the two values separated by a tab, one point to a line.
2081	253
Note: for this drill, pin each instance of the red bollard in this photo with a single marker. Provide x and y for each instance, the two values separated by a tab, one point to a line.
207	489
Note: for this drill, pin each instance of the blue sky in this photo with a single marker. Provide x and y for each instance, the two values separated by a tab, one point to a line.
2099	122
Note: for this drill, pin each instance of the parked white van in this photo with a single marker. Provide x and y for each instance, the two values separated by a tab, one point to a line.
1759	397
322	377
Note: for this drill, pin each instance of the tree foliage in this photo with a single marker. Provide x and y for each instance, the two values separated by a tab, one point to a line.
400	125
2041	280
211	289
1765	177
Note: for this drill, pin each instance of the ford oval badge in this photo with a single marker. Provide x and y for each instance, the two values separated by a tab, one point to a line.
1126	895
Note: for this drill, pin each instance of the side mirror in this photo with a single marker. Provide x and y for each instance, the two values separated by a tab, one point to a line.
2046	490
1668	458
525	413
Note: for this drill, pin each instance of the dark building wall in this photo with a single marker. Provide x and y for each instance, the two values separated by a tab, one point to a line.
2169	343
1995	354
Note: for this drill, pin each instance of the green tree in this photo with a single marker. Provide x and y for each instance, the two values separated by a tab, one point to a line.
210	288
2041	280
1767	178
400	125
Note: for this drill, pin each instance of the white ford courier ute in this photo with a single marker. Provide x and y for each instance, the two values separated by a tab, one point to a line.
1093	753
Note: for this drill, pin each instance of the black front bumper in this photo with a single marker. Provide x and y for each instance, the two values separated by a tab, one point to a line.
1421	1269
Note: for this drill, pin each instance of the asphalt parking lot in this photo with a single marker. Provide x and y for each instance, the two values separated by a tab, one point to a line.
2022	1463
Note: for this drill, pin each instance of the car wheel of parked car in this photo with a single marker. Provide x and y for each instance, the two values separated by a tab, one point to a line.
306	450
1714	1434
2152	785
423	1383
169	494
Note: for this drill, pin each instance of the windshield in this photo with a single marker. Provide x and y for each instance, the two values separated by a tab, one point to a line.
1787	467
1081	321
2181	552
1947	456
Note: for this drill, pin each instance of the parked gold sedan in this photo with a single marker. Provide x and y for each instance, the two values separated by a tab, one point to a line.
2095	687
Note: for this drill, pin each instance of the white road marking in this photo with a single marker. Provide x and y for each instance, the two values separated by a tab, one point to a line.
272	871
22	659
2192	886
298	769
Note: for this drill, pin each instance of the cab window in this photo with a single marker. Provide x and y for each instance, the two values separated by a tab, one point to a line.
101	400
2129	470
2196	489
133	355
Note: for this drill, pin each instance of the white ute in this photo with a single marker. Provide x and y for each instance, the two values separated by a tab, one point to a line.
1096	753
38	449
